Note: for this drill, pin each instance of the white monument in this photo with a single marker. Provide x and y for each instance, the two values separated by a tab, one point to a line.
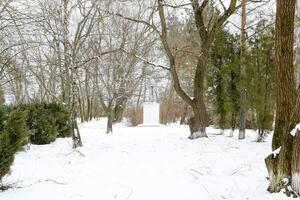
151	111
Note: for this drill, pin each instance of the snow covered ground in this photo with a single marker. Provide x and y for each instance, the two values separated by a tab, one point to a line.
142	163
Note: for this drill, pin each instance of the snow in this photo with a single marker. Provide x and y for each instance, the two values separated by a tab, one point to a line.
295	130
143	163
276	152
285	181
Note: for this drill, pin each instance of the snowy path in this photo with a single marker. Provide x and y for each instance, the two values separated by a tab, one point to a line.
143	163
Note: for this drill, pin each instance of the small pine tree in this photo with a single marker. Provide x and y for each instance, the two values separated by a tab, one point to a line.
222	78
261	84
44	129
12	137
62	116
2	96
47	121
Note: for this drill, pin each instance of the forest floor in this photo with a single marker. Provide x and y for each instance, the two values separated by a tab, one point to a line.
142	163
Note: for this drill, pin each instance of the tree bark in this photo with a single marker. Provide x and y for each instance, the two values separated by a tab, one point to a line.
109	123
72	92
287	108
183	116
285	88
74	110
233	122
198	122
243	74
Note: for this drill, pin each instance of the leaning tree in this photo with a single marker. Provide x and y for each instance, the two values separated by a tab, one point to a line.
206	26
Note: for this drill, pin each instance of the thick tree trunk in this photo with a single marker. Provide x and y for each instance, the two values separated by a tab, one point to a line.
287	108
196	128
284	168
286	89
199	121
279	166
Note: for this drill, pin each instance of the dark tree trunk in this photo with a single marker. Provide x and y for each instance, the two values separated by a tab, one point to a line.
287	108
88	110
242	127
109	123
118	113
199	121
260	135
234	101
233	123
220	97
285	90
279	166
91	108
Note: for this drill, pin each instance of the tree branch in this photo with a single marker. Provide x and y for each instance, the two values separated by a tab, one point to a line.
145	61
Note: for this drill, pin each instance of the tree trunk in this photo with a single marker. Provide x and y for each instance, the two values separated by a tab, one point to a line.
109	123
74	110
220	98
234	101
233	122
119	109
66	89
260	135
243	74
169	103
199	121
183	116
287	109
285	90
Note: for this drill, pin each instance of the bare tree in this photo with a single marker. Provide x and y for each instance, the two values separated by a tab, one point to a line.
206	31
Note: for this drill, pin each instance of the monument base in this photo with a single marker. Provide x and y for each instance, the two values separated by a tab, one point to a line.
150	114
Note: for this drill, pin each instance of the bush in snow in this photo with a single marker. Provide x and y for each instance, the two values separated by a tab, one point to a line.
62	115
13	135
47	121
44	127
